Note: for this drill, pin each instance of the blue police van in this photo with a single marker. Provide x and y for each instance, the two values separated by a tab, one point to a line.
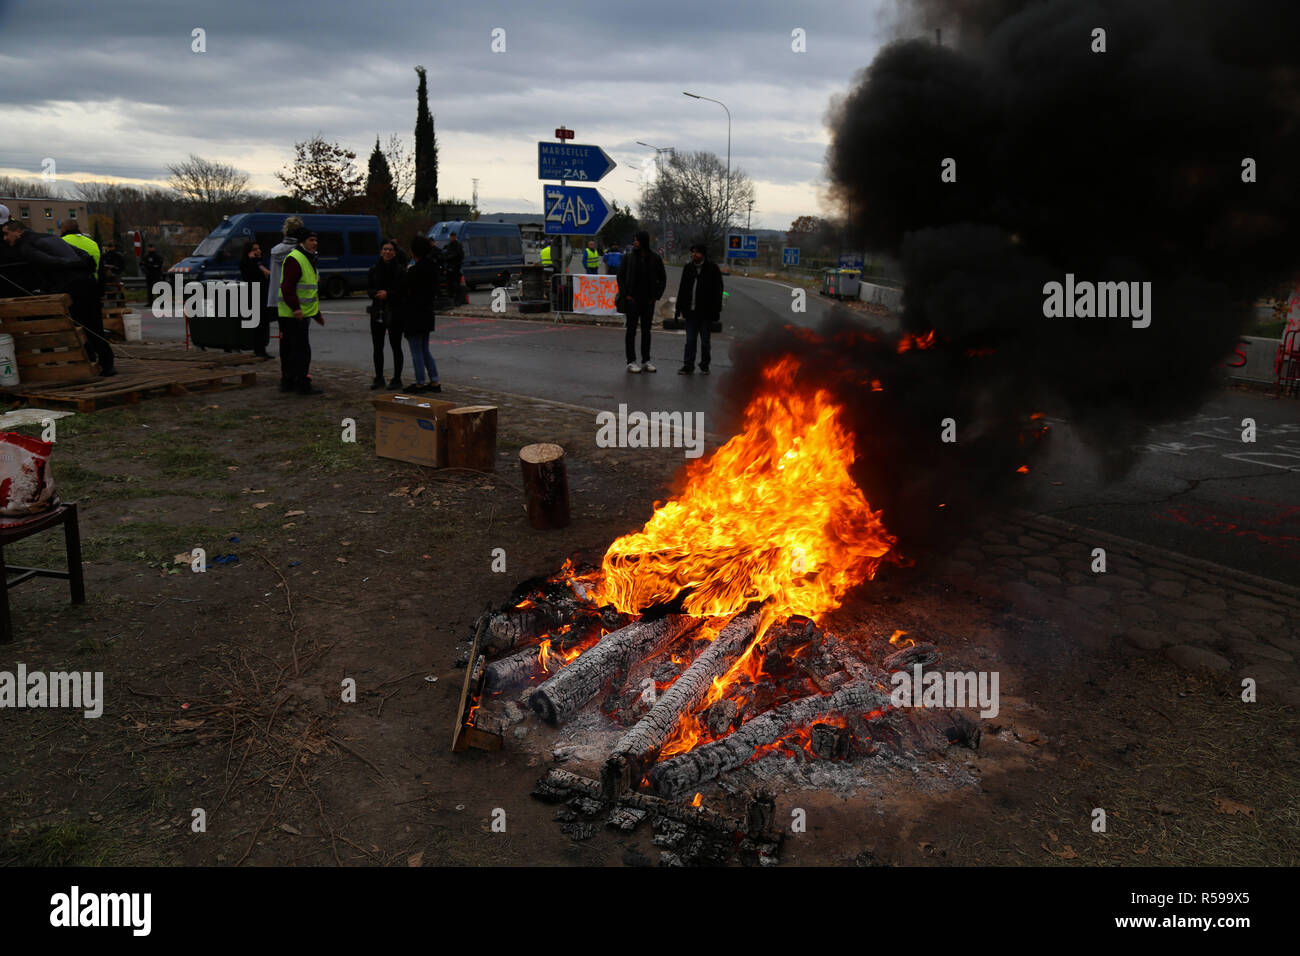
346	249
494	251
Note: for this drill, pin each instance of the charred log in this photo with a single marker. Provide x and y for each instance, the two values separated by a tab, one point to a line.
634	749
582	680
560	785
702	764
924	654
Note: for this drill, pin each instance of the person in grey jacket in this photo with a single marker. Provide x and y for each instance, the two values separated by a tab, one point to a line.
278	254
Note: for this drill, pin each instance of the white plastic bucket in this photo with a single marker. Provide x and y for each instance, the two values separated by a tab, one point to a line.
8	360
132	328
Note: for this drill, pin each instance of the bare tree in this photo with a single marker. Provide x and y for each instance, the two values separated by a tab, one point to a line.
691	193
323	174
27	188
213	189
401	165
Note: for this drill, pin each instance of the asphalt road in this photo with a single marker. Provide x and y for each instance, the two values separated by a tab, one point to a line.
1197	489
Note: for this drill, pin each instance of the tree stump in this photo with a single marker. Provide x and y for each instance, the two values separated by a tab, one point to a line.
546	485
472	437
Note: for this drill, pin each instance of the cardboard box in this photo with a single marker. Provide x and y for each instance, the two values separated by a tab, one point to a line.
412	428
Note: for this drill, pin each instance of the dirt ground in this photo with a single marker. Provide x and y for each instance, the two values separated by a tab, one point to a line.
223	690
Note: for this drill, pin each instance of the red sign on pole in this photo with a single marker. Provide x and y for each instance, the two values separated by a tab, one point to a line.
563	133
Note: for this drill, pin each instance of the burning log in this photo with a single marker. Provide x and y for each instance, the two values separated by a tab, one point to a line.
516	668
546	485
702	764
636	746
523	665
520	625
582	680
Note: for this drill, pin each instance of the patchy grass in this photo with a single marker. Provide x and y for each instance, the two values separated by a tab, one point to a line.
56	844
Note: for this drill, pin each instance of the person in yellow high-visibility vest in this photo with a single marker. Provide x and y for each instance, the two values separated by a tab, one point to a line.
546	257
591	258
299	305
87	308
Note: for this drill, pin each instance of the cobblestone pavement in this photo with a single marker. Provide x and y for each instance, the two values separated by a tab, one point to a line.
1199	615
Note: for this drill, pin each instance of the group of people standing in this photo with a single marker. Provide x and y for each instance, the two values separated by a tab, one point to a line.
402	299
403	292
641	283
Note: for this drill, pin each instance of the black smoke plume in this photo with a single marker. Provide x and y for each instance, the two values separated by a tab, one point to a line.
1122	166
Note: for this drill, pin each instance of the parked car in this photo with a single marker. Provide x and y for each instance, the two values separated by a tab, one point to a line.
346	249
494	251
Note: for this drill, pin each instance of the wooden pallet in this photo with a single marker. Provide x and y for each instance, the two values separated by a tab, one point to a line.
114	324
49	346
195	357
135	378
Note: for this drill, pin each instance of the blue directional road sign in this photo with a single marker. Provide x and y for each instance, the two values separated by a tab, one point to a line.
572	161
574	210
850	262
790	256
742	247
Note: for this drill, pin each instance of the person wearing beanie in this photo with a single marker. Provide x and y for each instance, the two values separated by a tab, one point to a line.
641	282
699	301
299	305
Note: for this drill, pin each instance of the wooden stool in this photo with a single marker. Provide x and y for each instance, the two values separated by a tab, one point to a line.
65	515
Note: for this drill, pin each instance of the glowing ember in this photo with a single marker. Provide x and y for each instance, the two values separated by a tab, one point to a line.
773	515
698	801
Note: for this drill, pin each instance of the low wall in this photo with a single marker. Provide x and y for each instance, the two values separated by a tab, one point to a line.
887	296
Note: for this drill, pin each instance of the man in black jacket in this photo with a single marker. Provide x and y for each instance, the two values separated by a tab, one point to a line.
699	300
58	266
641	282
152	265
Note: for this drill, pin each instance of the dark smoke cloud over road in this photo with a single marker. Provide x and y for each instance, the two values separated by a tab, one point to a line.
1123	166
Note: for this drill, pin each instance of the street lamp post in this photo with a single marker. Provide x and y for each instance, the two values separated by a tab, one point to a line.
659	169
696	96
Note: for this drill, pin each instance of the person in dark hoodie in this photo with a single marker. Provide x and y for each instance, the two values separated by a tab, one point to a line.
641	282
387	289
699	300
255	275
299	305
59	266
418	319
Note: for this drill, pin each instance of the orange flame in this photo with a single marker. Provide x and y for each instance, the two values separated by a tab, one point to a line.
910	341
544	655
898	635
774	515
698	801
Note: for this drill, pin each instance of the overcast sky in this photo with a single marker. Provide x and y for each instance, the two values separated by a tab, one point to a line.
112	90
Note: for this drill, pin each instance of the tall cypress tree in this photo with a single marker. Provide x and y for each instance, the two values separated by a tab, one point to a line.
426	148
379	181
